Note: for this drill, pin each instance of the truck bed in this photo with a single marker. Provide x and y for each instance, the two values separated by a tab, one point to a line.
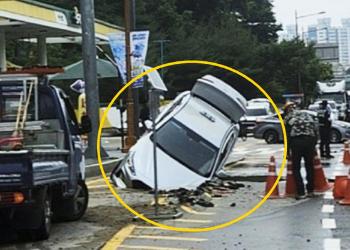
26	169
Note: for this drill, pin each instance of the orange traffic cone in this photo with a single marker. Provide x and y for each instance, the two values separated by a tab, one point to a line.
290	182
320	181
340	184
346	200
346	156
271	179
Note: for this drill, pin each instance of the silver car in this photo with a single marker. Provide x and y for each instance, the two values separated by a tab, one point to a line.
270	130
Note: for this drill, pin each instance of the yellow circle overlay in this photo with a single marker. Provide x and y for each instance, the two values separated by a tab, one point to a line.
184	229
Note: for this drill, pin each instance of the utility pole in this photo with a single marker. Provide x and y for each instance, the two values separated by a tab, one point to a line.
90	71
131	138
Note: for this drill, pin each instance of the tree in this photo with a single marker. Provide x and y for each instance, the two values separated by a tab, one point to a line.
281	63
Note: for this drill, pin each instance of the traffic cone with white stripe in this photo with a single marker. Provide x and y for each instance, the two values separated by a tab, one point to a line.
340	184
290	181
271	179
346	156
346	200
320	181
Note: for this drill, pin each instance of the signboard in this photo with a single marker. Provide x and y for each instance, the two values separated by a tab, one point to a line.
138	49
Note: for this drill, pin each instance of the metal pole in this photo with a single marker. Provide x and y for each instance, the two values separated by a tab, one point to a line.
135	90
90	71
3	66
296	25
154	137
42	50
131	138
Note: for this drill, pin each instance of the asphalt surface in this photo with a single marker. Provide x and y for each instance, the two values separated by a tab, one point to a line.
278	224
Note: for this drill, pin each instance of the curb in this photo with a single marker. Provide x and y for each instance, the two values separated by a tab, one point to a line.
93	170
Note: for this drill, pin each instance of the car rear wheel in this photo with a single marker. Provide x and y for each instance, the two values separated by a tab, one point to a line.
73	208
335	136
271	137
44	211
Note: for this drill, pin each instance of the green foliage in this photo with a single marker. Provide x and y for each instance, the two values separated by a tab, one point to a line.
239	33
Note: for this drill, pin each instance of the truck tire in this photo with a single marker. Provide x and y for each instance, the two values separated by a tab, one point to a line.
44	210
73	208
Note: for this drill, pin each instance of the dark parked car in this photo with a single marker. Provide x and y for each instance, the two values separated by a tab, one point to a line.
270	130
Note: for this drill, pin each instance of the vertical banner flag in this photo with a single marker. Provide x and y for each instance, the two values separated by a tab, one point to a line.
138	49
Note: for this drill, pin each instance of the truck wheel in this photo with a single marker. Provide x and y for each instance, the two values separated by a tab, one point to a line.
271	137
73	208
80	201
45	217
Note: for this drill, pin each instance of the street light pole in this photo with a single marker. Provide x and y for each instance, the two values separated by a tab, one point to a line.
297	37
303	16
296	25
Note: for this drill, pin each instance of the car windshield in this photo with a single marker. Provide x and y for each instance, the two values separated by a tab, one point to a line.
187	147
256	112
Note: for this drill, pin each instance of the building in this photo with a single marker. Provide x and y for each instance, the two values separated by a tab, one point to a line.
327	52
288	33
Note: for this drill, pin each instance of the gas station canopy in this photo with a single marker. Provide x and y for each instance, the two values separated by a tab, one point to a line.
27	19
32	21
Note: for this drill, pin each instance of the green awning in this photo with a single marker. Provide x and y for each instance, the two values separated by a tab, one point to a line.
105	69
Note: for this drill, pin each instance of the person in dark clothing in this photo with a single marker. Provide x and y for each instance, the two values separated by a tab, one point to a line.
144	116
303	138
325	123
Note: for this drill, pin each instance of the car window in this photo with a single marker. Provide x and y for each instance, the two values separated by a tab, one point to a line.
256	112
187	147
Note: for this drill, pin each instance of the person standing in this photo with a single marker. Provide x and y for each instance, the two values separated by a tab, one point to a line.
325	123
303	137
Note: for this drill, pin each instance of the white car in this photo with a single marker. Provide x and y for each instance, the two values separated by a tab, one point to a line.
195	135
255	111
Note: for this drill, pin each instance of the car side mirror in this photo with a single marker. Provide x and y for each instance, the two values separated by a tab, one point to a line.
85	125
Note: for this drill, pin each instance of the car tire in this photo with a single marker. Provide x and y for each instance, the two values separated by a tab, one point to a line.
73	208
44	210
271	137
335	136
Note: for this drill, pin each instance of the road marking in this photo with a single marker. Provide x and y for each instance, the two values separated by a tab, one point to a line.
328	195
192	211
118	238
328	209
98	186
193	221
331	244
150	227
160	237
94	181
328	224
150	247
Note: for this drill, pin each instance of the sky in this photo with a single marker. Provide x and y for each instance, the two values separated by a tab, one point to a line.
336	9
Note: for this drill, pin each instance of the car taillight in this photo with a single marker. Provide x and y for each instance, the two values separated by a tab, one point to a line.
11	197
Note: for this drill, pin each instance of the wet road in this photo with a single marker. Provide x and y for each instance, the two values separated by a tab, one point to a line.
278	224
